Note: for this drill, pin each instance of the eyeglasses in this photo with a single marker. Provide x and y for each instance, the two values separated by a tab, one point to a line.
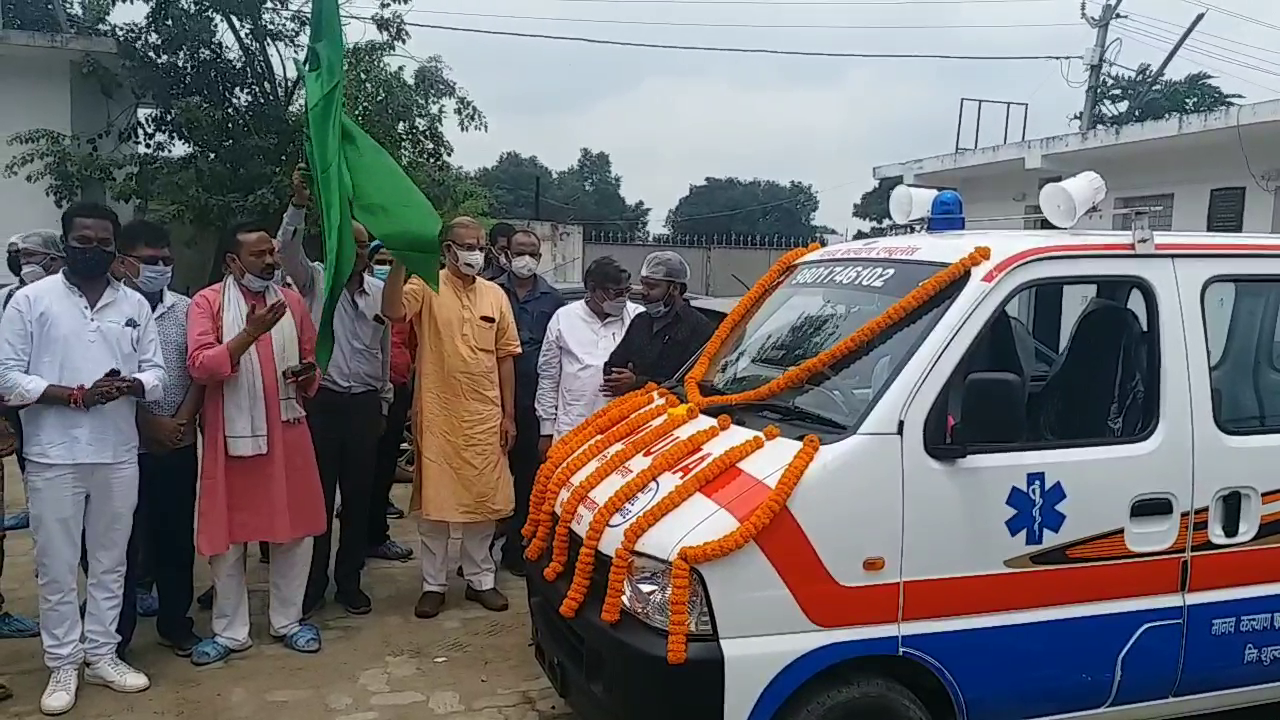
615	293
157	261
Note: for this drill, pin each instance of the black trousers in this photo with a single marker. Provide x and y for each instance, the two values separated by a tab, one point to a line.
344	429
524	461
163	523
384	470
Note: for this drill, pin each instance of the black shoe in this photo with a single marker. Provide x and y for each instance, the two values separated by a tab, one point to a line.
182	647
205	601
394	512
355	602
515	566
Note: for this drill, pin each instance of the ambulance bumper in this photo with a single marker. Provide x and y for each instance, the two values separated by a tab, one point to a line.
618	672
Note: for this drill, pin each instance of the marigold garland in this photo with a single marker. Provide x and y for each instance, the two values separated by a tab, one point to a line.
629	425
597	424
686	558
798	375
611	611
665	461
560	545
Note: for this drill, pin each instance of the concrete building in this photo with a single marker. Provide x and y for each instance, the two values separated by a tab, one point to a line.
43	84
1213	172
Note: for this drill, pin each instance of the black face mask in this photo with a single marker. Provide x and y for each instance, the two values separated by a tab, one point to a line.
90	262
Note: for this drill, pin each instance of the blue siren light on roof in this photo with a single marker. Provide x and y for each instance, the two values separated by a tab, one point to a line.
946	212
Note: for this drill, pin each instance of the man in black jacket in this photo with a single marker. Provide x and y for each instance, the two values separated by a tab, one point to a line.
659	343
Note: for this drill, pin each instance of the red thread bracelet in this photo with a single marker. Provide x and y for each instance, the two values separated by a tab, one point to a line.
76	399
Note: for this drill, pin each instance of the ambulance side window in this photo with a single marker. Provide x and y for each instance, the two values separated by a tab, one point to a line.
1240	322
1099	387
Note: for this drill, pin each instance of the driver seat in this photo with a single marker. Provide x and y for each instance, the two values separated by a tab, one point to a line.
1099	388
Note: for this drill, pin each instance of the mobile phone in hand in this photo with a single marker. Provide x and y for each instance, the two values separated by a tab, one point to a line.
299	371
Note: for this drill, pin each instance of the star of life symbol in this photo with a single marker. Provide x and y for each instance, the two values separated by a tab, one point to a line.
1035	509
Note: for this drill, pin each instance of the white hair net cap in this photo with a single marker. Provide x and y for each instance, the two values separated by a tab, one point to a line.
665	265
45	241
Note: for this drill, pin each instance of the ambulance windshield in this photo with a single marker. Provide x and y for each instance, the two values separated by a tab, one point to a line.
817	306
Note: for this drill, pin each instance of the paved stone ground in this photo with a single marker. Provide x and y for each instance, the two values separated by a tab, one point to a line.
466	664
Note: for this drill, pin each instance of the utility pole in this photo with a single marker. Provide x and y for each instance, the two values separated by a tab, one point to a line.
1095	59
1155	77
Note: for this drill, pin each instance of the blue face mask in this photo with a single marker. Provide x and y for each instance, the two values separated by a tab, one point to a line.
153	278
382	272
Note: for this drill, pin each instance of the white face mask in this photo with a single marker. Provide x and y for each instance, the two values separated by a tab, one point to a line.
32	273
524	266
470	262
153	278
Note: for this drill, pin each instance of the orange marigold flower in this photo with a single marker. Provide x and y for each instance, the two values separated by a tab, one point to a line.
678	625
665	461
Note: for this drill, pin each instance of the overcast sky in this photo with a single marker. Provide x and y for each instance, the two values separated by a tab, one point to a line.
670	118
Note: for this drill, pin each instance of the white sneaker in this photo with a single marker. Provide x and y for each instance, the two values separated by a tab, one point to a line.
60	694
117	675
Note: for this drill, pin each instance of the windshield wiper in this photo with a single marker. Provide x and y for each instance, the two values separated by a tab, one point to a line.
787	411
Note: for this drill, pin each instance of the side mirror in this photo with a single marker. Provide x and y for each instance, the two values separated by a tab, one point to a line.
993	409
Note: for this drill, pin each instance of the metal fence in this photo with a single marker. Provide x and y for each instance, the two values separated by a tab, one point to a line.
719	265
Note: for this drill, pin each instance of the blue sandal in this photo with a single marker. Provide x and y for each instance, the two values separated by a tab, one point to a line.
305	639
210	651
13	627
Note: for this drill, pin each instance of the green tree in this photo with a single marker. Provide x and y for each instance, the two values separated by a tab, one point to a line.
588	192
729	205
873	207
223	122
1168	97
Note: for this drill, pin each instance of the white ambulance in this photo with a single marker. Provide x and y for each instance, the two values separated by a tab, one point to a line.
1052	492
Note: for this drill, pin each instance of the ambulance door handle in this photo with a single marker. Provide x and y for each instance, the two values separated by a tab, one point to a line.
1231	513
1151	507
1234	515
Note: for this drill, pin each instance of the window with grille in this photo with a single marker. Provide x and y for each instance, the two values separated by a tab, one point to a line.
1161	219
1226	210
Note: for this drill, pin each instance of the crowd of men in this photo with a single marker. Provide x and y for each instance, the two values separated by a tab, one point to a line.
111	380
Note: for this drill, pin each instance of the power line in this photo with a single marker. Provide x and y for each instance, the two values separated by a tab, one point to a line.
1224	73
1156	30
1199	33
771	26
804	3
1203	53
1231	13
726	49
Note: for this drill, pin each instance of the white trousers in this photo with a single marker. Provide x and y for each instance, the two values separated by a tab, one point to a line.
290	564
478	566
68	502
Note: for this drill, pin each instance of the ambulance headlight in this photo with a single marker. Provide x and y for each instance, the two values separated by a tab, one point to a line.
647	595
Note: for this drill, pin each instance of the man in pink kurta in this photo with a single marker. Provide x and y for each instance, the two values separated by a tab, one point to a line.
252	343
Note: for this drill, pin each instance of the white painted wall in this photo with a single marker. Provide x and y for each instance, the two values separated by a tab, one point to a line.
37	94
42	86
1189	167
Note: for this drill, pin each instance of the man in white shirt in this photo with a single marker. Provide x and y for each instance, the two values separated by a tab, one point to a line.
579	340
77	350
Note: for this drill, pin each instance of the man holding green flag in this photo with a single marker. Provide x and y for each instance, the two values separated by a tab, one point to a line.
353	179
352	176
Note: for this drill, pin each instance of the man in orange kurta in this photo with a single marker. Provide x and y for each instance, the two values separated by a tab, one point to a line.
252	344
464	413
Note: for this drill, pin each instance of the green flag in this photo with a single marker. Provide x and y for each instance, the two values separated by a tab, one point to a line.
332	189
352	175
388	203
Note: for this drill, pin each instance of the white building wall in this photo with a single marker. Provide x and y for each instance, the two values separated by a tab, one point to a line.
37	94
42	87
1189	170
